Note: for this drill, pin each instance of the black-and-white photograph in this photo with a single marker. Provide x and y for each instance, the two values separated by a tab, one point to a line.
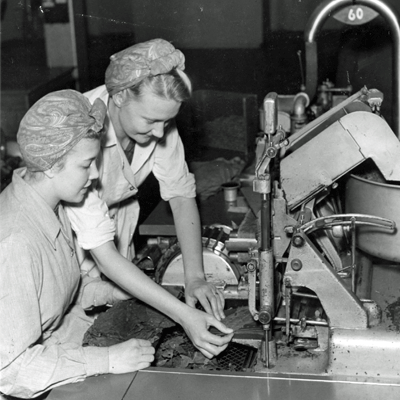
200	200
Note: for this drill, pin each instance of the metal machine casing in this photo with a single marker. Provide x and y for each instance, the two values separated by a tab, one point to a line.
337	150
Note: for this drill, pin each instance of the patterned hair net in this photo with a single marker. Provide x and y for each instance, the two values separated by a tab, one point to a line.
55	124
139	61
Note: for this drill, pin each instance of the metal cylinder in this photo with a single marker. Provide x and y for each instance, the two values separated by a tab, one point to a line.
364	196
266	287
265	212
230	191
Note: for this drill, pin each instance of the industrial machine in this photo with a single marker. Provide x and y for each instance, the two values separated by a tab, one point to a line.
306	272
302	274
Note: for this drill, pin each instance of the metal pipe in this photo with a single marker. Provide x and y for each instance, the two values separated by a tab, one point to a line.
265	212
299	116
266	261
266	288
297	321
266	355
300	103
318	18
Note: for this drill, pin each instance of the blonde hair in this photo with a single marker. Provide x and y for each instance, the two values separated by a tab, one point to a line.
174	85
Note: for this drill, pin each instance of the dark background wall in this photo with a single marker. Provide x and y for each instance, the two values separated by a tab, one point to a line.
234	45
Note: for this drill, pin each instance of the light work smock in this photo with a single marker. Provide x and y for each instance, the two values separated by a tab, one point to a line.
112	207
41	325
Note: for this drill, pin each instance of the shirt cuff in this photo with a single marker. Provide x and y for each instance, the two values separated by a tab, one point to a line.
185	187
97	360
95	292
90	239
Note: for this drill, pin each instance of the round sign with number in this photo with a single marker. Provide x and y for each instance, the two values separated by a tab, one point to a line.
355	15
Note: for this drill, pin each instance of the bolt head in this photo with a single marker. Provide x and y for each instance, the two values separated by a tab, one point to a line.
298	241
296	264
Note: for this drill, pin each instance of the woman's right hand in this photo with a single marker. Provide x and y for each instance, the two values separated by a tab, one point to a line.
130	356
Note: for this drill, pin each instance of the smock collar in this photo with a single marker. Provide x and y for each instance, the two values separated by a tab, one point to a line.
35	207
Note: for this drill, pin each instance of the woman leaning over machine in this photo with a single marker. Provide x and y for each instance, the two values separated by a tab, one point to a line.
144	88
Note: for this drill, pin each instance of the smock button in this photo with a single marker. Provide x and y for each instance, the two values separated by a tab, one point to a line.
131	188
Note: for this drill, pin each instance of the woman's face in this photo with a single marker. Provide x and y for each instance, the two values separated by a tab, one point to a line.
147	117
72	181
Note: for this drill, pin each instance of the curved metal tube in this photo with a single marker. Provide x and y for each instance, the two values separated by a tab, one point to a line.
300	103
318	18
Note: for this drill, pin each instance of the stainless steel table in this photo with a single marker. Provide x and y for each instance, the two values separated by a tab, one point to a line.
165	384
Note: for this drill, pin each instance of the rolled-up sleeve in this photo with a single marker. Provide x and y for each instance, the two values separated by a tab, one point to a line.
170	168
91	221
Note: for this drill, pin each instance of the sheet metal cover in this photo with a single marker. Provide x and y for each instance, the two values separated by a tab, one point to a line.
216	268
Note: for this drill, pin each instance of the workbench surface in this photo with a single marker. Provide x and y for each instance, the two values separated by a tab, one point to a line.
163	384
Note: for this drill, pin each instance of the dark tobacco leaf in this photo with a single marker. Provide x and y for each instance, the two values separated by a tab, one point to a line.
126	320
235	319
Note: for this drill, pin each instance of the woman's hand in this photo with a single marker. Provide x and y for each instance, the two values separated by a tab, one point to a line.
119	294
197	323
209	296
130	356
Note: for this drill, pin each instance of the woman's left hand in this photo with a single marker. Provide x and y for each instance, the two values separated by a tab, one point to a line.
197	323
209	296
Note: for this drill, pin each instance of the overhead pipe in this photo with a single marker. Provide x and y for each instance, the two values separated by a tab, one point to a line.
318	18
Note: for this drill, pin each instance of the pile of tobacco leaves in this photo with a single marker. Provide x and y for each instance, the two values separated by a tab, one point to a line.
127	320
134	319
175	350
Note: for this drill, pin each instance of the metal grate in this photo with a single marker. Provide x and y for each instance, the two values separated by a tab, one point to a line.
236	357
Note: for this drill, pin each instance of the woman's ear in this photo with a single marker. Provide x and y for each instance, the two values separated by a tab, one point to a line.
118	98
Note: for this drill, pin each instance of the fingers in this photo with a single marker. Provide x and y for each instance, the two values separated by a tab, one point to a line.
205	301
217	340
190	301
207	353
129	356
143	365
147	353
213	301
209	344
217	301
222	299
143	343
218	304
204	298
147	359
221	327
210	350
146	349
